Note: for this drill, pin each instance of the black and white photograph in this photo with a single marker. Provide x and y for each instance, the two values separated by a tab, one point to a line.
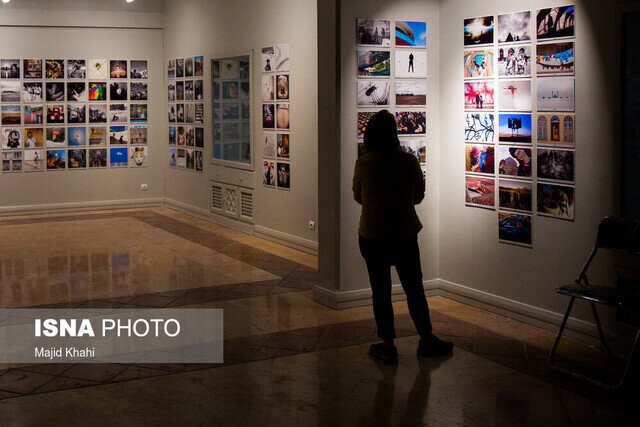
118	113
188	90
556	165
138	69
514	27
199	137
373	32
198	91
97	113
138	91
172	113
190	112
55	91
11	138
514	61
76	113
12	161
372	93
10	69
76	91
171	92
179	68
118	91
76	69
32	92
283	172
10	91
180	113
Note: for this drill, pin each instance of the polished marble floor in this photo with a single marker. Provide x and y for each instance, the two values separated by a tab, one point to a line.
288	360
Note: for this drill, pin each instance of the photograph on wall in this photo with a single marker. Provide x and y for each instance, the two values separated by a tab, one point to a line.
514	128
555	58
373	93
267	59
54	91
97	113
411	63
188	90
171	92
180	136
76	113
479	127
77	159
556	165
374	63
556	94
198	66
54	68
231	131
76	69
10	91
268	116
199	113
56	137
98	157
230	111
97	91
199	137
199	160
12	161
556	200
118	69
229	90
269	173
282	116
138	157
138	134
189	113
478	63
514	61
77	136
118	91
411	33
479	95
556	129
118	113
76	91
514	161
10	69
269	145
97	135
32	92
363	119
282	86
243	91
514	95
32	68
231	151
33	138
283	146
180	68
11	138
33	160
33	114
172	135
410	92
555	22
283	171
138	113
188	67
514	228
514	27
118	135
515	195
138	91
480	191
281	57
415	147
373	32
97	69
118	157
138	69
173	154
180	91
229	69
56	159
11	115
181	162
411	122
478	31
479	159
198	90
180	113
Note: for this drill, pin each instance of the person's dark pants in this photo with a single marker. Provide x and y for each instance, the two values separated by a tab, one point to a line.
380	255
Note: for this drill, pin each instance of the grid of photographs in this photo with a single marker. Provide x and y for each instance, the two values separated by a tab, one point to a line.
276	114
185	93
63	114
392	75
520	117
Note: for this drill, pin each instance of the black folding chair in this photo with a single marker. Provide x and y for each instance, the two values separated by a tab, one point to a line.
616	234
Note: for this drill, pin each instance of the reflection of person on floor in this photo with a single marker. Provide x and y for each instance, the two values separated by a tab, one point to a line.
388	183
411	70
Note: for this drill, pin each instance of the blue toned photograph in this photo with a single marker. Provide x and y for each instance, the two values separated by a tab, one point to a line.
514	128
77	136
118	157
514	228
411	33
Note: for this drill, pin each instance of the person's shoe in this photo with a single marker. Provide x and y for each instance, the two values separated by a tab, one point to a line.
434	346
384	352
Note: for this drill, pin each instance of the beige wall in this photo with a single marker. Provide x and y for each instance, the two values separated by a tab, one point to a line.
223	28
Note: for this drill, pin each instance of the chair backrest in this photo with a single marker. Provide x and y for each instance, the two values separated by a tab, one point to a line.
619	234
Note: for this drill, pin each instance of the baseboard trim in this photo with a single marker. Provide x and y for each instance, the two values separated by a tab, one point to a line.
290	240
81	206
209	216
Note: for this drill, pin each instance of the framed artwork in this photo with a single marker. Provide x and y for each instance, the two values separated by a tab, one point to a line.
411	122
478	63
556	165
479	159
478	31
514	228
54	68
514	61
373	32
555	22
514	128
514	161
411	63
411	33
514	95
363	119
515	195
556	200
555	58
480	192
372	93
479	127
374	63
514	27
479	95
556	129
556	94
411	92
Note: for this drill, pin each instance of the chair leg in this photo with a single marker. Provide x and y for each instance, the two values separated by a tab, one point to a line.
599	325
564	323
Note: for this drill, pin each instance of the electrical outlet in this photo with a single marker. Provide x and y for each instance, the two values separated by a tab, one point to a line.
144	187
312	225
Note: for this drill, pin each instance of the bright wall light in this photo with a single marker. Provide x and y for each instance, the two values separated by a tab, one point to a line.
7	1
128	1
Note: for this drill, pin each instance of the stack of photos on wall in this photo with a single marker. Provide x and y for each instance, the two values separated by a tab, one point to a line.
392	74
519	117
62	114
276	110
185	93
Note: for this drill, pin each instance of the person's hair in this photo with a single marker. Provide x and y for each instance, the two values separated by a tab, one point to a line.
381	133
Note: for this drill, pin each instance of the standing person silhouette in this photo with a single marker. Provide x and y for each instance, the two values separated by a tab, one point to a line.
388	183
410	70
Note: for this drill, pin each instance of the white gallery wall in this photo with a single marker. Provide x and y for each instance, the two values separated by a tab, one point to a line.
28	36
221	29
